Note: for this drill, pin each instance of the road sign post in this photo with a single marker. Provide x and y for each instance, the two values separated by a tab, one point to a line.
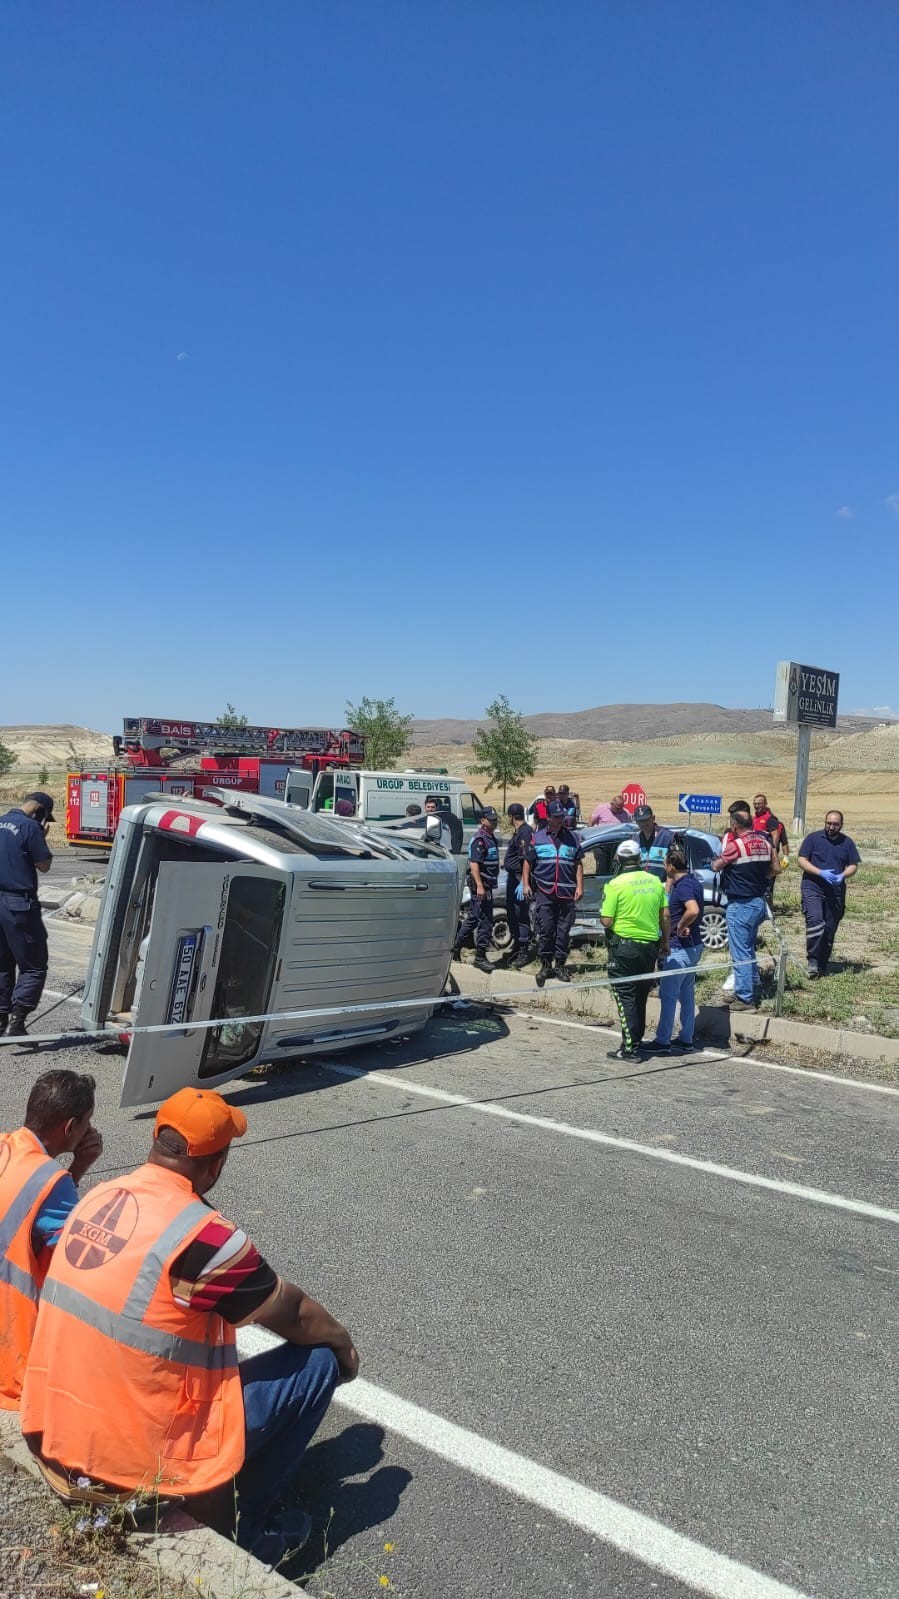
806	695
803	749
700	804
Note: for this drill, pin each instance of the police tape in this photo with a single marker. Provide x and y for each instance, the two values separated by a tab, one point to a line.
123	1028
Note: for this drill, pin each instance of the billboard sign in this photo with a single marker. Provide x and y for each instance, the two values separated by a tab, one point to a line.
806	695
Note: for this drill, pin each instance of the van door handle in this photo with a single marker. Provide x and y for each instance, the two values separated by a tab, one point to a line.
342	888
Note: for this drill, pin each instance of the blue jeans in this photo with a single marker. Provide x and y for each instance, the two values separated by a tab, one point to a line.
683	988
744	918
286	1392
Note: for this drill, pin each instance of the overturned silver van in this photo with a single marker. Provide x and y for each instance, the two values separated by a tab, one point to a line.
251	907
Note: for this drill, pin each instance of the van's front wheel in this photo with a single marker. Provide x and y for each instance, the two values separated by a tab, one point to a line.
502	932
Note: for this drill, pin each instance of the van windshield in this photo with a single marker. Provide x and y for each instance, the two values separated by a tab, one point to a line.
250	945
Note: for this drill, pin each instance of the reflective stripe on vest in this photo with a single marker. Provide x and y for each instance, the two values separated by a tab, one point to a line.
555	870
29	1196
135	1335
27	1176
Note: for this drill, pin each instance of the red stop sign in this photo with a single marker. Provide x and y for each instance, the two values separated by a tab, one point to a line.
633	795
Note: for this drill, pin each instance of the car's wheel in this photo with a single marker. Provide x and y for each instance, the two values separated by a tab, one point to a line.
714	928
502	932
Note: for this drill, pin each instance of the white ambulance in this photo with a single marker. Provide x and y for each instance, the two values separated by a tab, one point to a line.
237	910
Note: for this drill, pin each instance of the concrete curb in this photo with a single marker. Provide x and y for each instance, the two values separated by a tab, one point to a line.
718	1025
181	1549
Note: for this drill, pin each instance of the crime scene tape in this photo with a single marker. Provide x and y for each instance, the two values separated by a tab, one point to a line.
425	1002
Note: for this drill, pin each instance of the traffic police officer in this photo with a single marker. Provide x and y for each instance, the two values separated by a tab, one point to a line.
554	872
635	916
23	937
482	878
517	908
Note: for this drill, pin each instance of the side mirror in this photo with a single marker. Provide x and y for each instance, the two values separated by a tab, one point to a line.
433	829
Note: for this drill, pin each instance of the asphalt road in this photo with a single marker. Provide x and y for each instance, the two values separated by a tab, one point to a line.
562	1330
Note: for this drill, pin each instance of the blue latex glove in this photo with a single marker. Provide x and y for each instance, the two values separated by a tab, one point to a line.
519	892
833	878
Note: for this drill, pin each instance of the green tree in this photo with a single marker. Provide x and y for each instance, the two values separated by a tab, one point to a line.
230	718
7	758
43	776
505	752
387	734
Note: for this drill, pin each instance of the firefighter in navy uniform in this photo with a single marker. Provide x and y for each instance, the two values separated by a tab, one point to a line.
554	874
482	878
518	910
23	937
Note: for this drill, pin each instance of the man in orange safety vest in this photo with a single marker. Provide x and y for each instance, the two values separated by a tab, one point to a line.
133	1381
36	1196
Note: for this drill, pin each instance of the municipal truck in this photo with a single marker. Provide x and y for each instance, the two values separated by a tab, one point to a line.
253	760
384	796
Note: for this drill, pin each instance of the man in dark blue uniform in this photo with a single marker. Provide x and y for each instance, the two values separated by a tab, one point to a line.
482	878
654	841
23	937
828	859
518	911
554	873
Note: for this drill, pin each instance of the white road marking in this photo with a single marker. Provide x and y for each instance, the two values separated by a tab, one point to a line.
732	1174
714	1054
638	1536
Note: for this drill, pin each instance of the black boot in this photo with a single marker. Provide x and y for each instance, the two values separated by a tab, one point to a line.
544	972
4	1018
482	963
563	973
16	1028
523	958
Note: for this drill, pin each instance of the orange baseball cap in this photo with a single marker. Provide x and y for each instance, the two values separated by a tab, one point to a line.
203	1118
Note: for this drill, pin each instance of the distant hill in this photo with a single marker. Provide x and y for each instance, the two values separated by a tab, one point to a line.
627	722
54	747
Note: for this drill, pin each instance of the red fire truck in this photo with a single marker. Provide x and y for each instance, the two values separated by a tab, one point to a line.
255	759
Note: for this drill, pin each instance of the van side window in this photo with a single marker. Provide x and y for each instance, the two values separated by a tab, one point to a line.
471	806
250	945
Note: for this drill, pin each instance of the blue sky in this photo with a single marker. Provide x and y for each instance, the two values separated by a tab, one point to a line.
433	350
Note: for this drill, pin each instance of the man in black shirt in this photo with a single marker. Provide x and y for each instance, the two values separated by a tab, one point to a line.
518	911
23	937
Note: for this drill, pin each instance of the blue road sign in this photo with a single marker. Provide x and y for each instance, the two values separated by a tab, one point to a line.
705	804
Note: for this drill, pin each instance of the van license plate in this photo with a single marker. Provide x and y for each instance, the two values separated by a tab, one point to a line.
188	944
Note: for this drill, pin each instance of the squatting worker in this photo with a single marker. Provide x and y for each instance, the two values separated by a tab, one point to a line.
747	864
36	1196
482	878
654	841
133	1379
634	913
23	938
518	911
685	902
553	872
828	859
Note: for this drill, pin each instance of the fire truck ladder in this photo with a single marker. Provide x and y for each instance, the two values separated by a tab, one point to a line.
142	734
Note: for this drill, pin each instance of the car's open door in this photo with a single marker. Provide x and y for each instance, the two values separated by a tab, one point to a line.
211	951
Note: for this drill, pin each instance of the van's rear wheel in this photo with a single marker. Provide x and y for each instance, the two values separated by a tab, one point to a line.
502	932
